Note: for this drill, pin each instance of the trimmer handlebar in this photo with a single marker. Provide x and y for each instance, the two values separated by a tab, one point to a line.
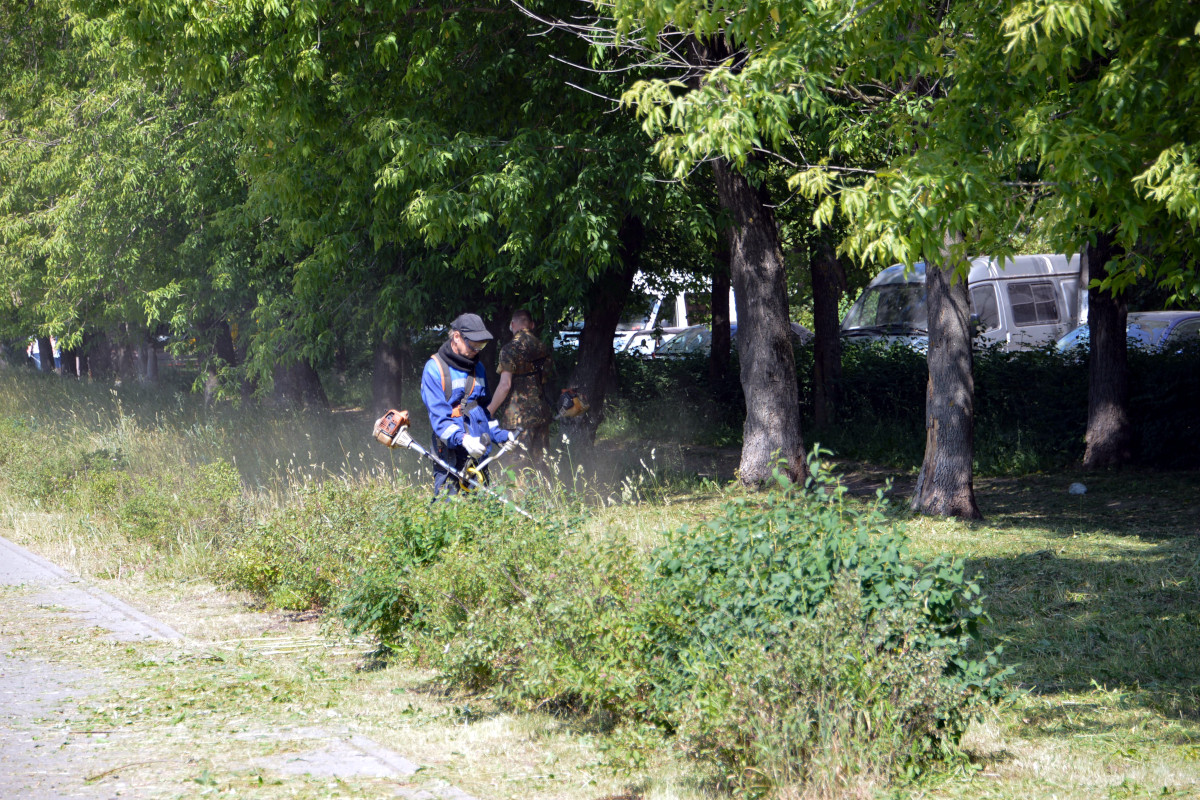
392	430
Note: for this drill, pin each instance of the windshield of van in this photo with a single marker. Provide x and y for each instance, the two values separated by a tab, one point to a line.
640	312
891	306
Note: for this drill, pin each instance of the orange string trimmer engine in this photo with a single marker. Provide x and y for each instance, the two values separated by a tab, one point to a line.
387	426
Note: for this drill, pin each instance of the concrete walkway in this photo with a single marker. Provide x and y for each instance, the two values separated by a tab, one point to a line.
45	751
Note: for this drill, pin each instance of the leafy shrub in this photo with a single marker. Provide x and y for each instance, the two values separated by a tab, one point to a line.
842	701
1030	406
37	463
163	508
743	607
1162	403
410	535
300	557
794	622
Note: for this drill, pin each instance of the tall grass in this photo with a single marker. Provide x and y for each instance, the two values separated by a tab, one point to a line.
566	611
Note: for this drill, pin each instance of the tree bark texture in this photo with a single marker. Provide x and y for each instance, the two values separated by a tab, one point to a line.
97	348
1109	432
46	353
297	385
225	355
392	357
128	367
595	368
768	365
497	323
148	360
945	485
828	282
69	360
722	338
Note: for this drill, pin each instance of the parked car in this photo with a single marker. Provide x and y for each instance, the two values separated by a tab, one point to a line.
651	318
697	340
1019	302
1146	330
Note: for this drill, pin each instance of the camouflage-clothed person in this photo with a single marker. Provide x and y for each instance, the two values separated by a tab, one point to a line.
528	359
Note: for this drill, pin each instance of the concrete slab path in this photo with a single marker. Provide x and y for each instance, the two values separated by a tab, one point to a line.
46	755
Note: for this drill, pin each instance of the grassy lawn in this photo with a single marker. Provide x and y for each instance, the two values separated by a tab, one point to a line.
1094	598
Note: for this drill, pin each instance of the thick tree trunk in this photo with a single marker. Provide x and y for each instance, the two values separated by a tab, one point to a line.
1109	433
828	280
768	366
69	362
225	356
594	368
722	339
127	354
297	385
46	353
392	357
148	360
945	484
497	323
97	348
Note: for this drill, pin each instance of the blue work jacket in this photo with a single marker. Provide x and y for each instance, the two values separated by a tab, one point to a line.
446	425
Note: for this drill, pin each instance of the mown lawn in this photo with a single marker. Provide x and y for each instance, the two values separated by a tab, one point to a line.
1096	600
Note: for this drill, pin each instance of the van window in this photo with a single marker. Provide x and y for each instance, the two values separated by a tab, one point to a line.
1033	303
640	312
890	305
983	305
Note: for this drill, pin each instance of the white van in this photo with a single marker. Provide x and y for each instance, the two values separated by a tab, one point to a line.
1020	302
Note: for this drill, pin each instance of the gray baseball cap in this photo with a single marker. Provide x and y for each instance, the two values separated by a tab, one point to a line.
471	327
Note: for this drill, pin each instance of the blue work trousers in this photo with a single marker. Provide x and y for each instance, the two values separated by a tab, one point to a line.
456	457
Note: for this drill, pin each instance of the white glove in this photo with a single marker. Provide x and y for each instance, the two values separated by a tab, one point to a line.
474	446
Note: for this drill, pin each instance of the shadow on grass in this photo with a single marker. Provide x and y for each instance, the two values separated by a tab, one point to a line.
1108	595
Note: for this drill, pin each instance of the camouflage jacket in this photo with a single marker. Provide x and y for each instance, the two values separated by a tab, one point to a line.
532	368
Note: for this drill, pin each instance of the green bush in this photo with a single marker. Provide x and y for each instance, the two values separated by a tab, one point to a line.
301	556
1030	406
743	606
385	594
841	700
794	621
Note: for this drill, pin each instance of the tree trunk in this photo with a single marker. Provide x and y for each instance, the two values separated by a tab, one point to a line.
722	337
828	280
297	385
46	353
148	361
68	359
225	356
594	367
392	357
497	323
127	354
768	366
1109	433
97	348
945	484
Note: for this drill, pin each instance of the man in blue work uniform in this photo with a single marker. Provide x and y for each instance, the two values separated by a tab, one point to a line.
453	386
